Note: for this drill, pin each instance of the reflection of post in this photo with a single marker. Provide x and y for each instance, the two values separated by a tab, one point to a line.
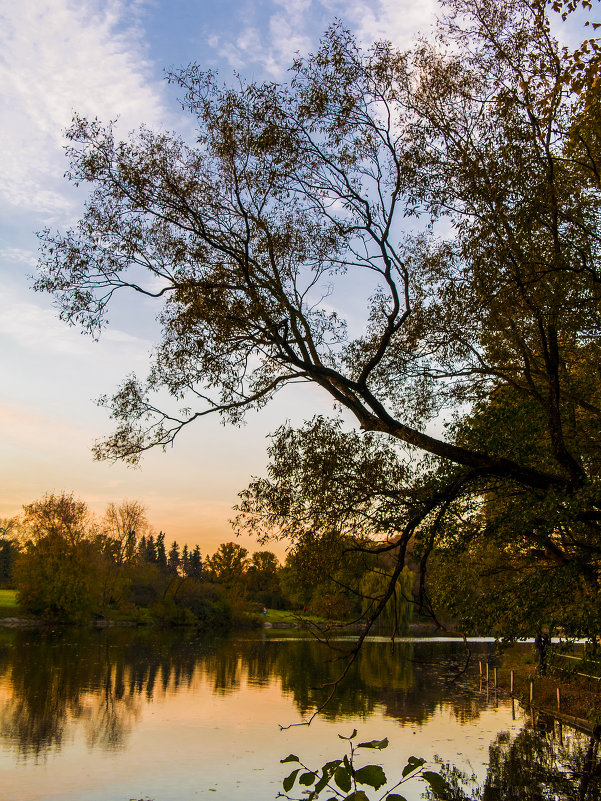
513	708
487	672
590	765
560	727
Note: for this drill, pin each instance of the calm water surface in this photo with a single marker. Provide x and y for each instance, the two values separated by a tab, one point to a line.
126	714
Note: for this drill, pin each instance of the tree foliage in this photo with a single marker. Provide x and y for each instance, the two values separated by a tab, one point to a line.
484	315
123	524
59	571
228	564
72	567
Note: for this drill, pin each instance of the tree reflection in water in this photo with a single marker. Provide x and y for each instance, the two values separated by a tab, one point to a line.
540	764
101	680
52	679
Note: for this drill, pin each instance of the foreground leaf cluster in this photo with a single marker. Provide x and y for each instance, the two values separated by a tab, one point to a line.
342	777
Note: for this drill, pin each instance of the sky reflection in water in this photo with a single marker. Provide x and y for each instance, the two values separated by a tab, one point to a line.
123	714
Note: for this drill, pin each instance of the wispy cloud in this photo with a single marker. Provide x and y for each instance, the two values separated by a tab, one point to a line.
397	21
26	324
271	43
57	58
293	26
18	256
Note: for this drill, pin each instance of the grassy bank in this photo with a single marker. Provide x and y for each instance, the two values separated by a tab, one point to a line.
9	606
561	690
289	617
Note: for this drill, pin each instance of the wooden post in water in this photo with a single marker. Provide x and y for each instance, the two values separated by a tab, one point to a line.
480	663
487	672
495	678
511	683
531	690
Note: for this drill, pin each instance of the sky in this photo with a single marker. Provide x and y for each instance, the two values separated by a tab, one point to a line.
106	59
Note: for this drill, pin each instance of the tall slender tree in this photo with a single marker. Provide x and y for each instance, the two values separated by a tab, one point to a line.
173	558
161	554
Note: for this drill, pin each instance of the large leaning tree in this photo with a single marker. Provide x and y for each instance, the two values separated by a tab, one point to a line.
456	187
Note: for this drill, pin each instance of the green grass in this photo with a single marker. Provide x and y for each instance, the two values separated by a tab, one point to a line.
9	606
289	616
8	598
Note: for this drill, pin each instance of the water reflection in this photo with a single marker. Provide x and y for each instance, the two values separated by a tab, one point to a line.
538	764
106	684
49	680
545	761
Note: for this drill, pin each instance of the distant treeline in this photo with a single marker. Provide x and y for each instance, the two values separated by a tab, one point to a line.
68	565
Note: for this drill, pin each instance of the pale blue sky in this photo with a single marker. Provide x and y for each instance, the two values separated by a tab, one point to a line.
107	59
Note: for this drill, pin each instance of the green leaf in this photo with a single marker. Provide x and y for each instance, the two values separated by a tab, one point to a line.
395	797
288	782
330	767
358	795
307	779
342	777
413	763
290	758
321	783
379	744
437	784
373	775
354	734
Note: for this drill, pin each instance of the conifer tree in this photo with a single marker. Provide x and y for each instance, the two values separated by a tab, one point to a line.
151	551
142	549
161	554
195	564
173	560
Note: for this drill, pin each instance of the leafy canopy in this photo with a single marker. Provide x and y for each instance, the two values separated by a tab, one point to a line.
457	185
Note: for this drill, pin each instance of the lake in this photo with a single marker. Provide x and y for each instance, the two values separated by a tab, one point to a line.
119	714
